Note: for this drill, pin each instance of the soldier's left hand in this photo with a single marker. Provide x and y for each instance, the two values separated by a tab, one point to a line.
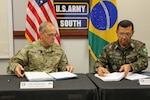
126	68
69	68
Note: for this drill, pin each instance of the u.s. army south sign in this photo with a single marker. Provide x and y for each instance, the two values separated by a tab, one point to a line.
72	14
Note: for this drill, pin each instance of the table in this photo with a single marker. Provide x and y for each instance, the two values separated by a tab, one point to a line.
120	90
80	88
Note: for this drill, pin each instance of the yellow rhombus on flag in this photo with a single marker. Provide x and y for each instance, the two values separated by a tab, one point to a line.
102	25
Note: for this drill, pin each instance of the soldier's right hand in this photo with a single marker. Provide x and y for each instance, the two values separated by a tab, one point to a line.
101	71
18	71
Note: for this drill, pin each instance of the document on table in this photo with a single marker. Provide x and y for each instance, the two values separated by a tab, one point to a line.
136	76
38	76
62	75
115	76
43	76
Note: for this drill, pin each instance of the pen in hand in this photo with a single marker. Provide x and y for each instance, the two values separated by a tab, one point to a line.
22	71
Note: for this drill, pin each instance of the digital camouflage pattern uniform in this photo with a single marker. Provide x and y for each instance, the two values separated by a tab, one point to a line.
113	56
35	57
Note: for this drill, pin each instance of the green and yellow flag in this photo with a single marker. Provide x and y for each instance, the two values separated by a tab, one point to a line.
102	25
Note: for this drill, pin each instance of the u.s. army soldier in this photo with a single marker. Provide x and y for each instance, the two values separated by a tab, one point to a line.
41	55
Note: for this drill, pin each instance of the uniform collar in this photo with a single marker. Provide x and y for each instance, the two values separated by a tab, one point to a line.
46	49
130	45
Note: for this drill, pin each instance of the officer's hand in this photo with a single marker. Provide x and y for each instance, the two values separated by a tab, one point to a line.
101	71
126	68
18	71
69	68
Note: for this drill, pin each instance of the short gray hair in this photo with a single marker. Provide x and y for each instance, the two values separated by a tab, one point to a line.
42	27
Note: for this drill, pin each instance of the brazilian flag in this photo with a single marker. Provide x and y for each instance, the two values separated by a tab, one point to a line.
102	26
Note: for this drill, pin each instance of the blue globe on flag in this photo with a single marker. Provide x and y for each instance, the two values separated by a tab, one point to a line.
104	15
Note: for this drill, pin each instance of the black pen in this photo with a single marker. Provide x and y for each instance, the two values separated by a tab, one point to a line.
22	71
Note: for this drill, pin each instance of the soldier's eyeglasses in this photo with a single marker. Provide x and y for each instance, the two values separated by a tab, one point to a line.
125	34
50	35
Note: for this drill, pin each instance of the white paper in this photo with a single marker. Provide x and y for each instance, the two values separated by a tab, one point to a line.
136	76
43	76
36	85
38	76
115	76
62	75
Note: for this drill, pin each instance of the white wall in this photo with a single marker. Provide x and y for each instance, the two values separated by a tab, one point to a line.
76	49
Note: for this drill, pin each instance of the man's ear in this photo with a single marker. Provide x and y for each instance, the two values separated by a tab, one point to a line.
132	33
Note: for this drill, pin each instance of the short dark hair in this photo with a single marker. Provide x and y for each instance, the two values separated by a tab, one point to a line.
125	23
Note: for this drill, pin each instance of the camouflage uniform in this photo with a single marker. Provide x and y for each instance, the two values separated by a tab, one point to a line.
35	57
113	56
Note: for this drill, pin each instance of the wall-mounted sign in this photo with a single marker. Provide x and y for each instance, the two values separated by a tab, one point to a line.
71	8
72	14
73	22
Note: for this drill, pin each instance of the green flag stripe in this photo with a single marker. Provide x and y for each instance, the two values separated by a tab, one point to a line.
96	43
